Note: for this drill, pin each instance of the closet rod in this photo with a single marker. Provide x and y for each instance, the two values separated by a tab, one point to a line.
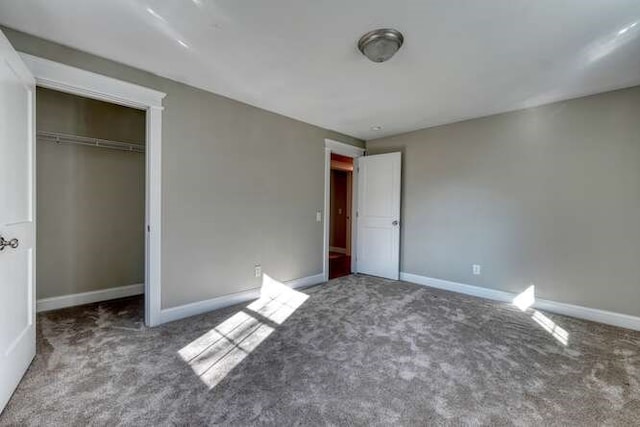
63	138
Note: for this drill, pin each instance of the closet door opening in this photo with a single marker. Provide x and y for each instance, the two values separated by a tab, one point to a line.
90	202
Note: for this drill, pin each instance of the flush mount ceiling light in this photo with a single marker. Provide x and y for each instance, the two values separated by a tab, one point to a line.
380	45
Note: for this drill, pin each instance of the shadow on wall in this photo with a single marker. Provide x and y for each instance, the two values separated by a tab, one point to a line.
213	355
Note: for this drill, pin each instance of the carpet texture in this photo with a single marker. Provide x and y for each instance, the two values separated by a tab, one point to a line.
356	351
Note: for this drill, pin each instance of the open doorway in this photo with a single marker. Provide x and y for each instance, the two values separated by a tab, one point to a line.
90	200
340	202
340	212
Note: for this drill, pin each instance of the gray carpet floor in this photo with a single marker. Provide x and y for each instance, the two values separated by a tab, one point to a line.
357	351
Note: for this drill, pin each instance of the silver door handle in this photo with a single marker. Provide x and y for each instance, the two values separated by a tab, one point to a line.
396	222
13	243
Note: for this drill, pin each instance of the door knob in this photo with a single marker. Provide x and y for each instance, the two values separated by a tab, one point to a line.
396	222
13	243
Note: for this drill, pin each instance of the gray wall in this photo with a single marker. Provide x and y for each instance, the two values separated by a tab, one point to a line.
549	196
240	185
90	201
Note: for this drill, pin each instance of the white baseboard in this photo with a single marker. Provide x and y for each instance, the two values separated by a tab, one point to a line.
593	314
337	249
54	303
305	282
195	308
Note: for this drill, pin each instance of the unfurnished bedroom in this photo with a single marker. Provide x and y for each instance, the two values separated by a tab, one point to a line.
319	213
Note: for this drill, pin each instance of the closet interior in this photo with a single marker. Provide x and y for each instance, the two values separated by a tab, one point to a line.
90	195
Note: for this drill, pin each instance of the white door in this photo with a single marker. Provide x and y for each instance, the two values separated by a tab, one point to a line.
17	229
378	249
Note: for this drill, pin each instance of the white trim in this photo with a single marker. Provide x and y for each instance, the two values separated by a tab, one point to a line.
592	314
355	175
153	218
77	81
325	213
461	288
54	303
343	149
331	146
199	307
337	249
54	75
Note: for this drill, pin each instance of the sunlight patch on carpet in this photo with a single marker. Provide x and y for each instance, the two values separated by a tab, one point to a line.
525	300
213	355
550	326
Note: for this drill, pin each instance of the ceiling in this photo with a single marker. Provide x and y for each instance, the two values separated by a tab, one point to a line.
461	59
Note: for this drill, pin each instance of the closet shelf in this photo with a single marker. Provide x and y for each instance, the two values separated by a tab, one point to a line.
63	138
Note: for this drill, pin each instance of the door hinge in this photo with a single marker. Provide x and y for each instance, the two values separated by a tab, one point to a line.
148	229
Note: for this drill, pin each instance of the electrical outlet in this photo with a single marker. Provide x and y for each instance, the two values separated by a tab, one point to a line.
318	216
477	269
257	270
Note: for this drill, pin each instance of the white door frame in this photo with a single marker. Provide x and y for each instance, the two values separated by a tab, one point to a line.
331	146
64	78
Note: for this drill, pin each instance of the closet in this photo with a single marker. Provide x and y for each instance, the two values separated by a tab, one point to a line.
90	195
